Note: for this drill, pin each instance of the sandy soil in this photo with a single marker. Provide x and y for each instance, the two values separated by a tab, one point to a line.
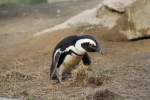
25	68
123	69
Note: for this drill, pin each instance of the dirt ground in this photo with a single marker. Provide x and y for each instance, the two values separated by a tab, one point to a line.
123	69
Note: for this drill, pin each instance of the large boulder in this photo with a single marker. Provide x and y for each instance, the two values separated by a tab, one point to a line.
118	5
139	15
119	19
134	21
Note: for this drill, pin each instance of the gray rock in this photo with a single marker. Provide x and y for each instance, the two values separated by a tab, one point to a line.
3	98
118	5
131	19
138	14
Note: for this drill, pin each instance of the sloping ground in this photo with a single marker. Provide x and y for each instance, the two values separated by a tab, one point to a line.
19	23
25	69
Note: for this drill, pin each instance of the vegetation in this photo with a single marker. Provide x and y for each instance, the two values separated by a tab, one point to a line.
21	1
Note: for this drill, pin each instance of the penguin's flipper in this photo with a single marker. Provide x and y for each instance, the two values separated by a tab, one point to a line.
54	67
86	59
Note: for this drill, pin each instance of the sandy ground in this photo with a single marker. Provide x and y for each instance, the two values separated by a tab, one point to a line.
25	68
123	69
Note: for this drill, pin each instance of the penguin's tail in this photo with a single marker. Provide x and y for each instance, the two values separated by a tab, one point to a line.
53	75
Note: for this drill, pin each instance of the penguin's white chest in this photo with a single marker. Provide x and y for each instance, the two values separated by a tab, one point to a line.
72	60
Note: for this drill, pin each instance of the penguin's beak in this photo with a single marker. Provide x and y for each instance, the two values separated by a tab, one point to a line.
101	51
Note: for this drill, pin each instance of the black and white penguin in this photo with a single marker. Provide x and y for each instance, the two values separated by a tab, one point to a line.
69	52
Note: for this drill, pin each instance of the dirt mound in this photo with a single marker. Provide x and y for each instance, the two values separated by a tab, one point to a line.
106	95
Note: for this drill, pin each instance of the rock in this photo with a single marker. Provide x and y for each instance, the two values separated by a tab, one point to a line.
122	20
138	14
131	19
118	5
3	98
84	18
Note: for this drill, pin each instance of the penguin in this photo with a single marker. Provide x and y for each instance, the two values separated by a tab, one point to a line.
69	52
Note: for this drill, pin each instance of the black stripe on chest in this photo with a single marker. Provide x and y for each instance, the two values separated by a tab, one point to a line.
62	57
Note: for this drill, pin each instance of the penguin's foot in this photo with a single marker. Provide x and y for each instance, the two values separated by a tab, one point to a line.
59	79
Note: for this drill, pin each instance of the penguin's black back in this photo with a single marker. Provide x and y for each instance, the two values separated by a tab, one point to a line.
66	42
62	45
71	40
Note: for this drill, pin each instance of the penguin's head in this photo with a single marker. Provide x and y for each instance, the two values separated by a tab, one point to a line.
87	43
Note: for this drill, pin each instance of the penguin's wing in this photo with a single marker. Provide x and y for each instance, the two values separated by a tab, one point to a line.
86	59
55	62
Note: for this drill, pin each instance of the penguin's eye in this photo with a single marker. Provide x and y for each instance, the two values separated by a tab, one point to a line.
91	44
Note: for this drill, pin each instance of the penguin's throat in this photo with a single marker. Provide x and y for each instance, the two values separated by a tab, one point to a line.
76	50
79	51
